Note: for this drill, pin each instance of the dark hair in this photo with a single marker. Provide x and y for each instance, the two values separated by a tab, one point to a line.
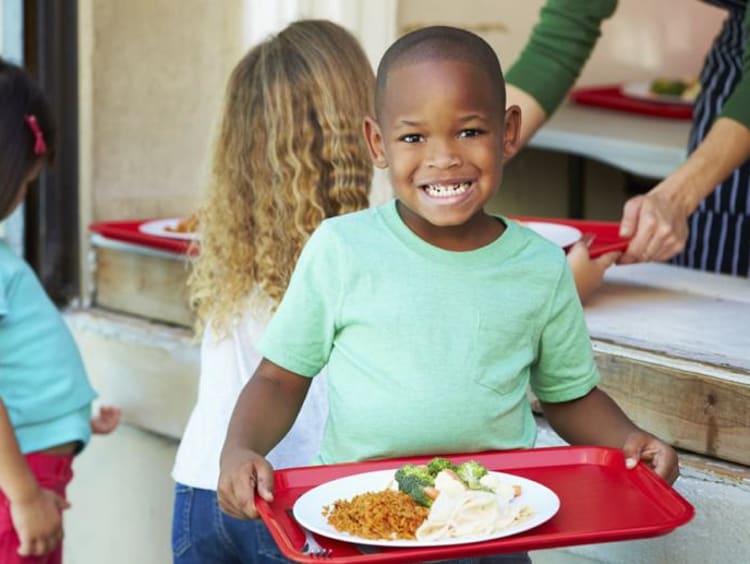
20	96
440	43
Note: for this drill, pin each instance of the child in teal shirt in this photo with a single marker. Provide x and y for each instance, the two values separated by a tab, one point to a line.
431	315
45	395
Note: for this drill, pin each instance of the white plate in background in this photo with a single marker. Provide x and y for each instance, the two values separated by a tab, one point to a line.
164	227
563	235
642	91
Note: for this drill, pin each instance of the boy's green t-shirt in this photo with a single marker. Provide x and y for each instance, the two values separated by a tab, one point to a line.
430	351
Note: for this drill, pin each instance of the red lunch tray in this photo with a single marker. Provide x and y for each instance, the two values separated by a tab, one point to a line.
612	98
128	231
606	233
606	237
600	501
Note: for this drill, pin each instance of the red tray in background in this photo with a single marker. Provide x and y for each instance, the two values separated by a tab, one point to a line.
606	233
600	501
128	232
606	237
612	98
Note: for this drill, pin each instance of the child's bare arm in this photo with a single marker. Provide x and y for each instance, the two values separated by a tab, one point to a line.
36	513
587	272
264	413
595	419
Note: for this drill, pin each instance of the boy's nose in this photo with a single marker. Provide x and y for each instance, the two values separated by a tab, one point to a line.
443	155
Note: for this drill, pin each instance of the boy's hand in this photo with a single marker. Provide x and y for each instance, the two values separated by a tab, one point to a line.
657	454
243	472
38	522
106	421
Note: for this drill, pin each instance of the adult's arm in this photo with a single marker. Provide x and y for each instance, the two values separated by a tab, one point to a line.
560	44
657	220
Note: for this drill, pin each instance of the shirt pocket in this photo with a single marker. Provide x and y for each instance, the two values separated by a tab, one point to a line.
503	356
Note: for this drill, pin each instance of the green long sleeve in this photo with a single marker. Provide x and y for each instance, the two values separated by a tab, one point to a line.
560	45
737	106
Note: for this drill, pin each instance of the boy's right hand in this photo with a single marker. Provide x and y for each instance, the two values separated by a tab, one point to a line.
243	472
38	522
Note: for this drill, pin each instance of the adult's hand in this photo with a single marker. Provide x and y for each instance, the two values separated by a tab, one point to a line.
657	221
657	224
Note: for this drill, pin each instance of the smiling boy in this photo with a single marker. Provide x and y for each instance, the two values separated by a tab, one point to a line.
432	315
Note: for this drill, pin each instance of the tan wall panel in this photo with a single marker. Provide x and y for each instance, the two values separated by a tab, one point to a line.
643	37
158	71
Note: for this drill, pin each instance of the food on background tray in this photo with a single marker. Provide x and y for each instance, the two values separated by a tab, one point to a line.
187	225
685	89
432	502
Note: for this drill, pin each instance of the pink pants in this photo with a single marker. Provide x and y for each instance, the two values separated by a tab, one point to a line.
53	472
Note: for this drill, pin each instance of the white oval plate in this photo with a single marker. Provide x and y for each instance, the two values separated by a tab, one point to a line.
563	235
161	228
642	91
308	509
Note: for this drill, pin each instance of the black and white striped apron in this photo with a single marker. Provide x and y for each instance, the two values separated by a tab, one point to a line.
719	239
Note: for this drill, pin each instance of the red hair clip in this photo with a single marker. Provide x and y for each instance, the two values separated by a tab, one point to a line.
40	147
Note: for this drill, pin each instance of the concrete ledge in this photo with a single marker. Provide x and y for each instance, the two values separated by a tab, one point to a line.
150	370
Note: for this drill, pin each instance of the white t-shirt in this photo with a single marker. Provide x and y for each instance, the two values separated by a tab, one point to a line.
226	366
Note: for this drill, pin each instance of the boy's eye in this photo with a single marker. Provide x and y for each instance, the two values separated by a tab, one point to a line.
470	133
411	138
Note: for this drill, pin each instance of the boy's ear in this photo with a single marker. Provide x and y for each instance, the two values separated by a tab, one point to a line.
375	143
511	138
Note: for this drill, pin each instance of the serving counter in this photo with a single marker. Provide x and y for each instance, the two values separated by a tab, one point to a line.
673	348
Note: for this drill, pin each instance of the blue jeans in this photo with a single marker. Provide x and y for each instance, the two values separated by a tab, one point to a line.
203	534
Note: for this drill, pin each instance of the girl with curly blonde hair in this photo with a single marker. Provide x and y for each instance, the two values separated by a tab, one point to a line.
289	153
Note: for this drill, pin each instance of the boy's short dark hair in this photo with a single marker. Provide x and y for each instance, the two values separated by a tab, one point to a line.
440	43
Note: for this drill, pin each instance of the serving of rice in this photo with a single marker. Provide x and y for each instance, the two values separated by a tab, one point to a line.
386	514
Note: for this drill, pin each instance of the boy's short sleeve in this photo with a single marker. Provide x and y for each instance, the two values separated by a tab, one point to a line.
565	369
300	335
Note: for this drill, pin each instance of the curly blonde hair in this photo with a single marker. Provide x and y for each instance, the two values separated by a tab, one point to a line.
289	153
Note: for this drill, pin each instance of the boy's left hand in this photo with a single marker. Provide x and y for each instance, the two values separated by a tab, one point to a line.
642	446
106	421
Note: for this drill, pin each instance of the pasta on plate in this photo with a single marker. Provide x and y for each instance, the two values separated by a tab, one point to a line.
461	512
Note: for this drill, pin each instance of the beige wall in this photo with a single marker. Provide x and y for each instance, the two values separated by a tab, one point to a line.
152	78
642	39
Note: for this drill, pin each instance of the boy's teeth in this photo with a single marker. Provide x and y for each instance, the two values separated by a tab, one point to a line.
446	190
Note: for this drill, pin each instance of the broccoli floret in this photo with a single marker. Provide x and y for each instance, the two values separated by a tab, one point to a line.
470	473
416	470
438	464
417	482
419	490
